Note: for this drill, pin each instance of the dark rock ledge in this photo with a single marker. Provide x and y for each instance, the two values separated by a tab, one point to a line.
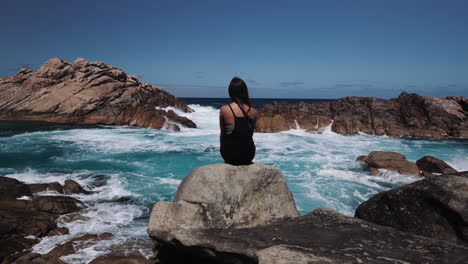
323	236
218	223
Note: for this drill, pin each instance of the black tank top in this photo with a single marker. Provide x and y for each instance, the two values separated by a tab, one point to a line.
238	148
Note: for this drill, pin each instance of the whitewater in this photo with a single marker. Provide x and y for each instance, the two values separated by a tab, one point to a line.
129	169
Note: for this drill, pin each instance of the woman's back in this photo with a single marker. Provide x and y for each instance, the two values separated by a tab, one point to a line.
237	128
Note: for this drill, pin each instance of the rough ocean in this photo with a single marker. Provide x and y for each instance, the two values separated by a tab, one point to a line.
129	169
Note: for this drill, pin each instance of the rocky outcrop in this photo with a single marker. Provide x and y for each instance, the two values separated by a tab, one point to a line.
87	92
10	189
57	204
409	115
221	196
72	187
34	216
435	207
43	187
323	236
281	116
392	161
430	165
76	244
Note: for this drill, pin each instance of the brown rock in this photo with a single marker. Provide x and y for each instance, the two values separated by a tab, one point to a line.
42	187
71	187
16	204
76	244
25	222
10	189
409	115
59	231
429	165
86	92
57	204
392	161
276	123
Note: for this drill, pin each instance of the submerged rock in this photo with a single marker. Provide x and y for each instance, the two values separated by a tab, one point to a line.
435	207
42	187
78	243
323	236
409	115
392	161
87	92
429	165
72	187
221	196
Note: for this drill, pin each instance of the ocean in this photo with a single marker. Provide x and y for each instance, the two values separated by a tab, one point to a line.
129	169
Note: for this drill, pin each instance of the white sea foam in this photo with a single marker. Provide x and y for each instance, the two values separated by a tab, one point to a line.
320	169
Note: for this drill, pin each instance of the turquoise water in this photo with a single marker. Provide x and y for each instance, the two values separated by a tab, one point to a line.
145	166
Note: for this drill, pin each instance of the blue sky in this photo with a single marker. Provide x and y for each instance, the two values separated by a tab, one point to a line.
282	49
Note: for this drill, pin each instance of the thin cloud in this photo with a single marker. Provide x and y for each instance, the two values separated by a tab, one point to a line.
253	82
291	84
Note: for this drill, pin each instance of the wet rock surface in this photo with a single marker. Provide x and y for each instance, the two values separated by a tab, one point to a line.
89	93
430	165
23	221
222	195
76	244
72	187
323	236
43	187
409	115
10	189
435	207
57	204
392	161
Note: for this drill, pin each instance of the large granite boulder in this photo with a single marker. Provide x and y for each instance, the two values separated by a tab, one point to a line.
409	115
323	236
222	196
430	165
87	92
392	161
10	189
435	207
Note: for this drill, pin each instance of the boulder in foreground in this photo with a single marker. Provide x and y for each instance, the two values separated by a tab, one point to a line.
435	207
222	196
90	93
323	236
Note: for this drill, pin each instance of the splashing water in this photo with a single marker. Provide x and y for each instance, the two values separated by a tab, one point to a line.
145	166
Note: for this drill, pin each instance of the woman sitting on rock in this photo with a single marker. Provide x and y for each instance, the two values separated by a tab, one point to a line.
237	123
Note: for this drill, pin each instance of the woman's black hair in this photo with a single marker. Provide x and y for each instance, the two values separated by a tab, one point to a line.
238	92
240	95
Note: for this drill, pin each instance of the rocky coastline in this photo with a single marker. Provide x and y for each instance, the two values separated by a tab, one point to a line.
408	115
424	222
247	215
88	93
27	215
